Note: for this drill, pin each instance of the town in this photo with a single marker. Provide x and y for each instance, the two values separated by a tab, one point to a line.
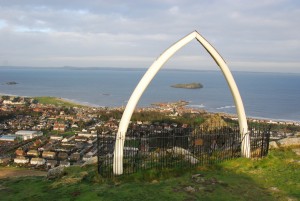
43	136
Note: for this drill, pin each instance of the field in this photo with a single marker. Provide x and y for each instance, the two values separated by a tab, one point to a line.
56	101
275	177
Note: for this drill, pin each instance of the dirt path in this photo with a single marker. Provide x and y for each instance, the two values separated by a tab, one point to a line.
13	172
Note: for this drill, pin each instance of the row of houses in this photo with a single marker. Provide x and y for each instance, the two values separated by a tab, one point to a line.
22	135
49	117
56	150
40	162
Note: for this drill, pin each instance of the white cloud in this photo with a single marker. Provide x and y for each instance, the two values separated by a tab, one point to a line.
57	32
173	10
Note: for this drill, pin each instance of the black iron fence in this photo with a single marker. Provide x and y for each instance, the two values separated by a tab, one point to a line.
177	147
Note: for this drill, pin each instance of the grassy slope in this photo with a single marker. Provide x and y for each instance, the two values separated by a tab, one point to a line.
275	177
56	101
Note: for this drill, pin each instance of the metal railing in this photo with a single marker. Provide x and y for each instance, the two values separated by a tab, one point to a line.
177	147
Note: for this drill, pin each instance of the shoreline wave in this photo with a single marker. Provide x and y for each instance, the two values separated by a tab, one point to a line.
84	103
196	106
225	107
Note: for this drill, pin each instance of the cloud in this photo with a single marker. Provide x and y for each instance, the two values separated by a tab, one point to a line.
174	10
56	33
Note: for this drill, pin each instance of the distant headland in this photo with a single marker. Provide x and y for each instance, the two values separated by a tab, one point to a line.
193	85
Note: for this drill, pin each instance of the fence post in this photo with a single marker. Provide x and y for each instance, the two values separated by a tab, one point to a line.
98	153
262	144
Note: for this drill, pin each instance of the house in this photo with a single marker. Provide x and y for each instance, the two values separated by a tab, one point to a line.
66	149
59	127
7	102
20	152
130	151
62	155
75	156
87	135
32	152
21	160
68	144
48	154
74	126
46	147
112	125
56	137
86	157
91	141
25	134
80	139
64	163
8	138
36	143
67	139
37	161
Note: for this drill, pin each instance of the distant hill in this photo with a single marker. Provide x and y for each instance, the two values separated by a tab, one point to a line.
193	85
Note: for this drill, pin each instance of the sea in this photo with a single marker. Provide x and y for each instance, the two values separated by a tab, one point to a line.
265	95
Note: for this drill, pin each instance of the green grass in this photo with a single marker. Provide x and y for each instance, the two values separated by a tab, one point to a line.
275	177
64	134
281	169
56	101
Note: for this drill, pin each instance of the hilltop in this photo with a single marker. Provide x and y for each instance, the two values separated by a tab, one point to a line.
275	177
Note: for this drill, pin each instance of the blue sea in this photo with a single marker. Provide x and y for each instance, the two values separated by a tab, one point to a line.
265	95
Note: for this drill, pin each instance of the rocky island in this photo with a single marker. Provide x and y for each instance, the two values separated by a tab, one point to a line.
11	83
188	86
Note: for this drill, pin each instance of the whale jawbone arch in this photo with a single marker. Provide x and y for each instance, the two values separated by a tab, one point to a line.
149	75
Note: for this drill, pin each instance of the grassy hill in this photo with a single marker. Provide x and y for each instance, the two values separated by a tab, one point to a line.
56	101
275	177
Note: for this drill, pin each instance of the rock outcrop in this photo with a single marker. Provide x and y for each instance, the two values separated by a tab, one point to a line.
92	160
187	156
273	145
289	142
56	172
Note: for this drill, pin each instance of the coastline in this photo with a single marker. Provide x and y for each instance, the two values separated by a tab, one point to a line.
59	99
72	102
75	102
273	120
262	100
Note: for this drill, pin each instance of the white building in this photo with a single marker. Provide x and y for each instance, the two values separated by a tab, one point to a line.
87	135
56	137
49	154
37	161
21	159
68	139
25	135
32	152
8	138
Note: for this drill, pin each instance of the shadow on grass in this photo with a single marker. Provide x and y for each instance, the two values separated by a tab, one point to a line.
275	177
150	185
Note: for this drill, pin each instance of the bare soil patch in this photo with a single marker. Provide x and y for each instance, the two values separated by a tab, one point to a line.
12	172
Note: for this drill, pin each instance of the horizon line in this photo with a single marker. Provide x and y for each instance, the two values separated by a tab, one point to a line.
134	68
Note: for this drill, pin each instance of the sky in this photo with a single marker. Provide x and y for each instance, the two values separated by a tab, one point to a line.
257	35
